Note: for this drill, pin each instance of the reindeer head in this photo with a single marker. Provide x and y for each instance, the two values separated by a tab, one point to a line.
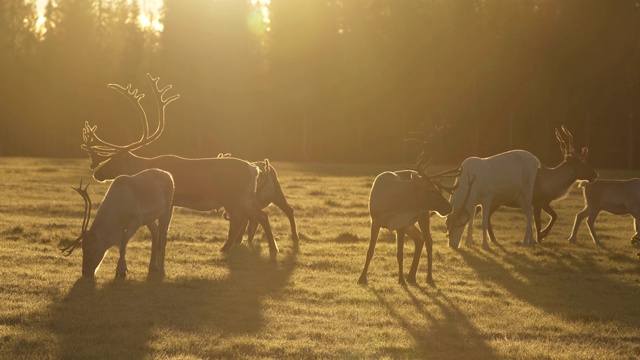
431	187
92	252
119	157
572	160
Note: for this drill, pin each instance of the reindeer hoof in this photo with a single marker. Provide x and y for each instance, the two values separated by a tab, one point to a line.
572	240
362	280
430	281
121	275
412	280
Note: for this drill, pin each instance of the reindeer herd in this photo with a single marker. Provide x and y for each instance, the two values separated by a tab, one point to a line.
145	190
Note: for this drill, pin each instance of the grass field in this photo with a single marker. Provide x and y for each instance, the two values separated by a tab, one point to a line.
559	300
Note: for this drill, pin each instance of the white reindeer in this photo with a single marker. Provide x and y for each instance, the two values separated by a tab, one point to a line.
619	197
130	202
505	178
397	201
552	184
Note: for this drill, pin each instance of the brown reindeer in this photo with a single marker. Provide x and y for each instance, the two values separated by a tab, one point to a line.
201	184
397	201
268	191
618	197
554	183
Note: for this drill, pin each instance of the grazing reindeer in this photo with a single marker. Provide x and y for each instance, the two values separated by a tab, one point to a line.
500	179
268	191
130	202
619	197
200	184
397	201
552	184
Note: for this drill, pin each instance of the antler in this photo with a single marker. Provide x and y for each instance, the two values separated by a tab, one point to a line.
567	148
85	222
100	150
447	173
424	137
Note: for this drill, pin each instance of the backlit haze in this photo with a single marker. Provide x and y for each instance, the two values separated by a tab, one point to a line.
149	13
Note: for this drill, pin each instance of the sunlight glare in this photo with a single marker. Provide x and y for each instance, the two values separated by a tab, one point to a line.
40	21
259	20
147	21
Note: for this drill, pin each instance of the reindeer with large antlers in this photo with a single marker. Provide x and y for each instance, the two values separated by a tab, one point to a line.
553	183
400	199
130	202
200	184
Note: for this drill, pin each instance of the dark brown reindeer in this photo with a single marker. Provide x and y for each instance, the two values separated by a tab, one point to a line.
201	184
268	191
554	183
400	199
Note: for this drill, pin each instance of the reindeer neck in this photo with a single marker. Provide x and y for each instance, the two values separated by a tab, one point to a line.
555	182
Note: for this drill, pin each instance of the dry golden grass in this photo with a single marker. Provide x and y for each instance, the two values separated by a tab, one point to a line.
558	300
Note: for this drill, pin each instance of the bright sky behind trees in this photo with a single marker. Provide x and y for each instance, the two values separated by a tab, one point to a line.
149	12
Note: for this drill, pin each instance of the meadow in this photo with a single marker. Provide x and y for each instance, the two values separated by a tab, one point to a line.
555	301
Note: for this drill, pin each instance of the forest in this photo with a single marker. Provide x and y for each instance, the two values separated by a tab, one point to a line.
326	80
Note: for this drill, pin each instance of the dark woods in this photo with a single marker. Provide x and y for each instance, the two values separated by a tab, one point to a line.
327	80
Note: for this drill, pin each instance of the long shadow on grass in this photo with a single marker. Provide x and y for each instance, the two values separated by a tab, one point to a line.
448	332
122	319
559	283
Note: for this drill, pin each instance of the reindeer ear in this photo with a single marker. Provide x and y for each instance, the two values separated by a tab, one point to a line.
267	166
585	151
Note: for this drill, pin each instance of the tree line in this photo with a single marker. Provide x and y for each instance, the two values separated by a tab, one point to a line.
327	80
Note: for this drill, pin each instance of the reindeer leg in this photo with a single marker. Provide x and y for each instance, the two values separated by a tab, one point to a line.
469	240
636	226
243	228
288	210
537	220
591	220
153	262
235	228
400	255
492	236
251	231
258	215
375	230
121	269
485	226
576	223
425	224
528	235
554	216
163	224
418	240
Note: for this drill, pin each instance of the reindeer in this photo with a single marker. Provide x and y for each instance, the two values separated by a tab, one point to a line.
397	201
268	191
202	184
505	178
619	197
130	202
552	184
